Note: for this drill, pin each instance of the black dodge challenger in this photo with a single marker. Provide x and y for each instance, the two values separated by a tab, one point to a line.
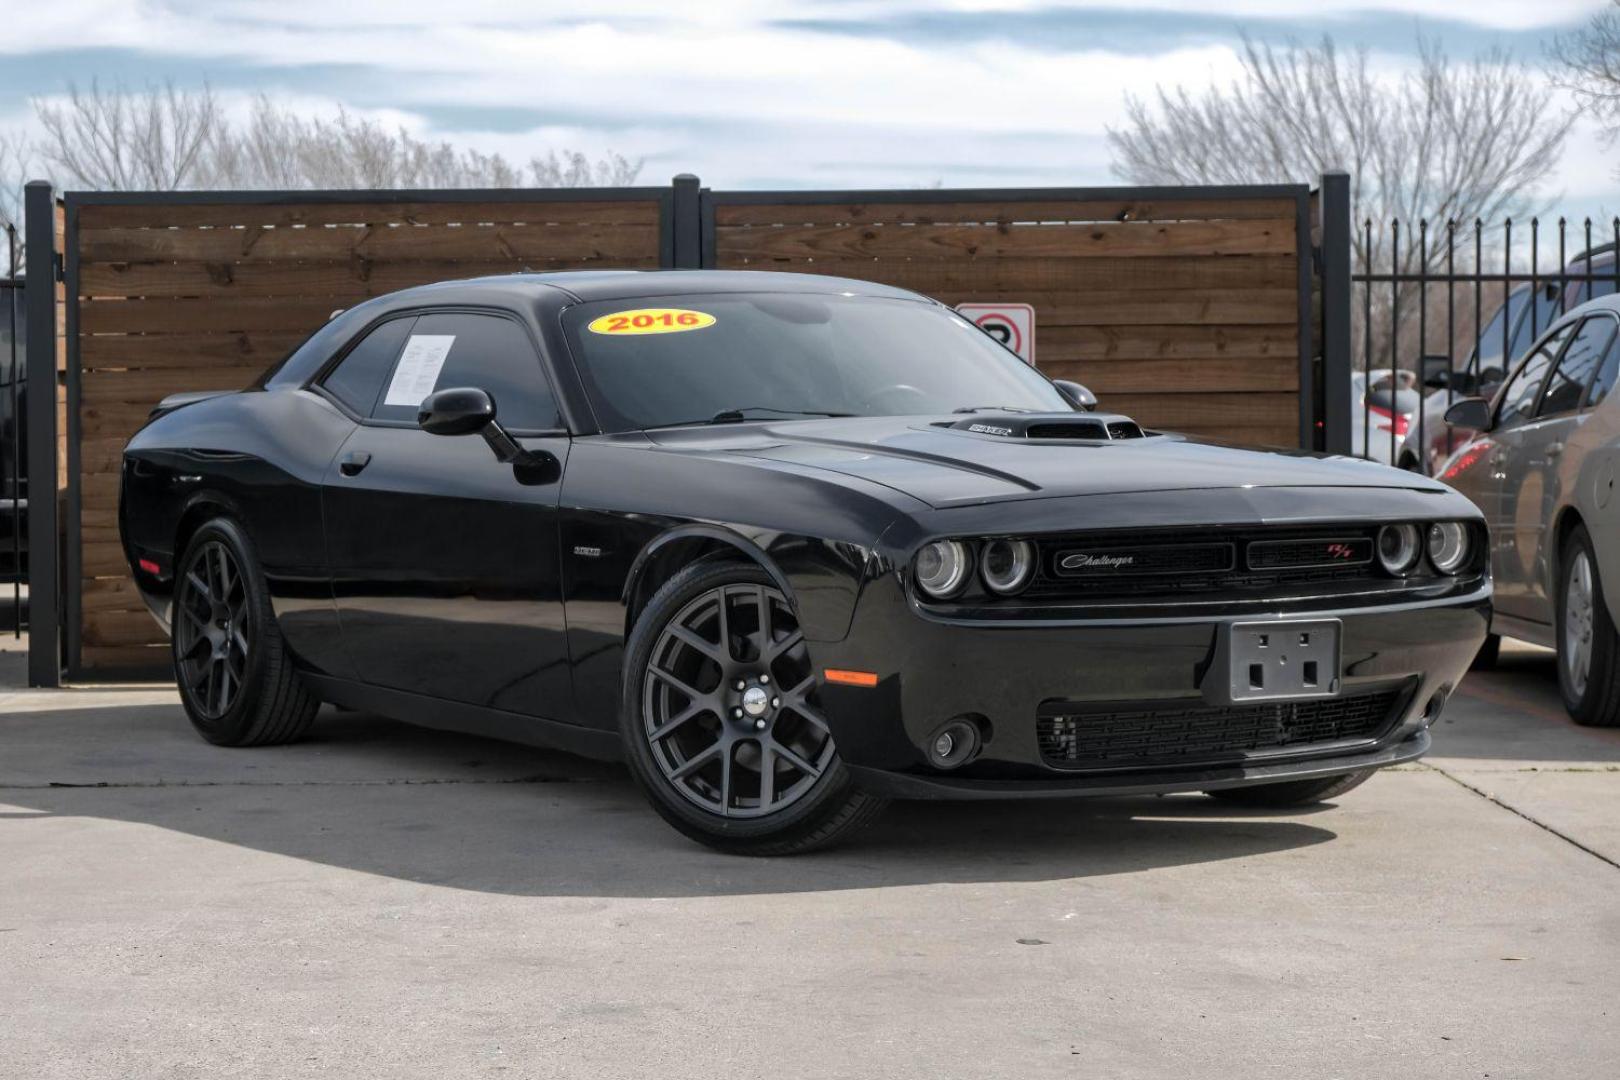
789	545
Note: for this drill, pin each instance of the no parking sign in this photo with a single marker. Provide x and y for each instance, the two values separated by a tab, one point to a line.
1011	324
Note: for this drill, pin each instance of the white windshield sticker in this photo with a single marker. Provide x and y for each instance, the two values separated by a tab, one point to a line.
418	368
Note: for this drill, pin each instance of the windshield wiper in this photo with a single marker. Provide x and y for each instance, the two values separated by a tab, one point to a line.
991	408
738	416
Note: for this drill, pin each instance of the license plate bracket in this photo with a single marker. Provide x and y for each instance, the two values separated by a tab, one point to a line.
1275	661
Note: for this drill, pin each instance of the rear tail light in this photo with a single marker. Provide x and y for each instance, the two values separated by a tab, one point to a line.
1399	423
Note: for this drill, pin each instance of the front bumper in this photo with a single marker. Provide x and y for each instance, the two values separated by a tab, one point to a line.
931	671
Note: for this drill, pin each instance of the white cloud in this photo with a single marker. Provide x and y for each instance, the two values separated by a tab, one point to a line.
720	88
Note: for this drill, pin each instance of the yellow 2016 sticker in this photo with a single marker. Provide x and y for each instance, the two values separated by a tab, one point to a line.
651	320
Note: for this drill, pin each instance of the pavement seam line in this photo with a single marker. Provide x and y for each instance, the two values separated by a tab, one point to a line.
102	785
1488	797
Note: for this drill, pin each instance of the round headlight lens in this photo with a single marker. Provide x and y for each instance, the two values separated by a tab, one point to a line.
1398	549
942	568
1448	546
1007	565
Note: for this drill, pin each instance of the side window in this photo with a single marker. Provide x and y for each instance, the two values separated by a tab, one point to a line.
1535	321
1519	397
1605	373
1488	349
358	378
448	349
1567	387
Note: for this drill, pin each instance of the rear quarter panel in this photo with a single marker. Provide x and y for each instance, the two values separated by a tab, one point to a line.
258	457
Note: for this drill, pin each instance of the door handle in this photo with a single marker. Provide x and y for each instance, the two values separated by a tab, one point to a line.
353	462
1554	449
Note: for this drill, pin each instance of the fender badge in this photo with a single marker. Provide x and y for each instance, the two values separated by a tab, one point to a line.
588	552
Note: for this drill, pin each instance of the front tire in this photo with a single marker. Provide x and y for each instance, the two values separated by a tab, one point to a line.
1588	647
1292	793
719	722
237	682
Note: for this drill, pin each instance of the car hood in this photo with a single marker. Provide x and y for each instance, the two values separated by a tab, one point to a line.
944	466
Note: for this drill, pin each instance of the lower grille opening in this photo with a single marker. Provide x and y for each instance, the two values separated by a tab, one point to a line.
1175	733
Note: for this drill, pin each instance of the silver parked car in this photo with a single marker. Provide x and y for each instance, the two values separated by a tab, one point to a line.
1542	468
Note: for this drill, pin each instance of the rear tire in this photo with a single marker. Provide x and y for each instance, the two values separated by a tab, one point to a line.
749	771
1293	792
237	681
1588	647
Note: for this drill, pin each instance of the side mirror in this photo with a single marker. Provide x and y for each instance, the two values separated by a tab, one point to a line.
1471	413
1078	396
467	410
464	410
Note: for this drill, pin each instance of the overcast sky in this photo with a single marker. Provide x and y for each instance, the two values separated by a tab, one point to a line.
844	93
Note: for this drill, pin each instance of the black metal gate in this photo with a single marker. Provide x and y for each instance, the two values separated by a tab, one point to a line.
1445	311
13	469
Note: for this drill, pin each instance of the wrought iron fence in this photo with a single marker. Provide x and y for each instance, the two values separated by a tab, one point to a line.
13	471
1443	312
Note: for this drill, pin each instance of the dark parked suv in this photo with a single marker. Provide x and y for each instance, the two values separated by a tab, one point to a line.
13	437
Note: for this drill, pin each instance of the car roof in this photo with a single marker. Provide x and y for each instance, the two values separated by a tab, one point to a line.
587	285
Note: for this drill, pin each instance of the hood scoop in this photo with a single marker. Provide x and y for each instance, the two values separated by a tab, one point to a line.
1050	427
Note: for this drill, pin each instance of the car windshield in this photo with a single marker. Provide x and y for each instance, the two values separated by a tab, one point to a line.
725	357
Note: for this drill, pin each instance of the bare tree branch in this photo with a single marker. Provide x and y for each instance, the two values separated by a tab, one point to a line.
166	139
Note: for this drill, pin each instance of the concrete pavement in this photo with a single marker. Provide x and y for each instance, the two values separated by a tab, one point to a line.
386	902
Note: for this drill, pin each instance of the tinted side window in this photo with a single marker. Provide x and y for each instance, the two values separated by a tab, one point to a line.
1605	372
1488	350
1567	387
1538	316
486	351
358	378
1519	398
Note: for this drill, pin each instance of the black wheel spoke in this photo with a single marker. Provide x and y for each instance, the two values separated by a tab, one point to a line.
786	645
696	641
668	727
763	631
767	774
792	757
199	587
693	764
683	687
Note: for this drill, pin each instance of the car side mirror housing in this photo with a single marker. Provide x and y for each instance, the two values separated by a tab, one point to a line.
467	410
1078	395
463	410
1472	413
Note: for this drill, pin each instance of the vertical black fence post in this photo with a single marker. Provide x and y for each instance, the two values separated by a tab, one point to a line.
688	253
44	589
1335	252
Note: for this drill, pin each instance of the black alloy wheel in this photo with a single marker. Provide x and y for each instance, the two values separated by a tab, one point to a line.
724	703
237	681
212	635
723	729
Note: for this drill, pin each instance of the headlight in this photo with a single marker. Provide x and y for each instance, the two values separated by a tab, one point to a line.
1007	565
1448	546
943	567
1398	549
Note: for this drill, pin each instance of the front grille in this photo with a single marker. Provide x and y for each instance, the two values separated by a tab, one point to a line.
1133	567
1176	733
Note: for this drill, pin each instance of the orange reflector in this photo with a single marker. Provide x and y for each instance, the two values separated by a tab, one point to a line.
149	566
851	678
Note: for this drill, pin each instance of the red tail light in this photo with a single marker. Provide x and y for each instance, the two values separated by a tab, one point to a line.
1400	424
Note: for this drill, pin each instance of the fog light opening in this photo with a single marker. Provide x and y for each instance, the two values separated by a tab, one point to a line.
954	743
1436	705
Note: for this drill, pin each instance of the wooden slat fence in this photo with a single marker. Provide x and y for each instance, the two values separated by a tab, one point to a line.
203	293
1183	312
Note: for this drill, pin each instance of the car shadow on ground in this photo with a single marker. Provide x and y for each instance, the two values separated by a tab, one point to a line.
383	798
